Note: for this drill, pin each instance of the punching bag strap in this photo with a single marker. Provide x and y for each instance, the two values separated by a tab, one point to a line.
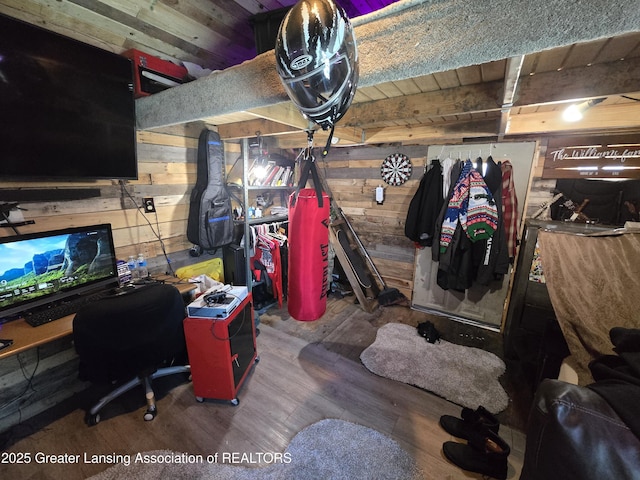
309	166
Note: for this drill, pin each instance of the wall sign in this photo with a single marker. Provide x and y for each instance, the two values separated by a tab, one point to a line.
593	157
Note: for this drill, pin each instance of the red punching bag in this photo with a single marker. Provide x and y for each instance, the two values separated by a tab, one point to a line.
308	237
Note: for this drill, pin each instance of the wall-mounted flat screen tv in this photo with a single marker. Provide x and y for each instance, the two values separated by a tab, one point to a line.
67	110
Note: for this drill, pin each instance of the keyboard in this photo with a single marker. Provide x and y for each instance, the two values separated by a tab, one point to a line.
52	312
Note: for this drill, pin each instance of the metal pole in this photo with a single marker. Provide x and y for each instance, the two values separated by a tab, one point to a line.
245	212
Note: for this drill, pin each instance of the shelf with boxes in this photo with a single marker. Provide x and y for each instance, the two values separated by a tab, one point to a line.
265	204
260	182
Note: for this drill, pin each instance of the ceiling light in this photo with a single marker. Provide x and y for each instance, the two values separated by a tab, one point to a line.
575	112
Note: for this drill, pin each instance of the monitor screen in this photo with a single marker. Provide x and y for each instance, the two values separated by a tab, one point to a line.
37	269
67	109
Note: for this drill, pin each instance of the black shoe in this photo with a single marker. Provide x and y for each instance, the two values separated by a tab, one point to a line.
486	453
471	420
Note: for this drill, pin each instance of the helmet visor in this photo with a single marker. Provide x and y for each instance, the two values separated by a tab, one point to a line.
318	89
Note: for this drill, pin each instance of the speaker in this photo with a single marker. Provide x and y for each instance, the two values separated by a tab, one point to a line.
234	265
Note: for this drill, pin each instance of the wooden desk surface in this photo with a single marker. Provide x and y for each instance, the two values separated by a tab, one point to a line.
25	336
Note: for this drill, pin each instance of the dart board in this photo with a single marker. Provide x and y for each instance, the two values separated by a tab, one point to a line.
396	169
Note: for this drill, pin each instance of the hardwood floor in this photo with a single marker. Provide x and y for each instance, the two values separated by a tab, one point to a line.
307	371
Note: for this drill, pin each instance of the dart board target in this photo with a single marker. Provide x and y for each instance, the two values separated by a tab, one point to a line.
396	169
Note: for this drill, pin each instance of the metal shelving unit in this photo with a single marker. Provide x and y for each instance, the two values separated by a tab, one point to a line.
247	222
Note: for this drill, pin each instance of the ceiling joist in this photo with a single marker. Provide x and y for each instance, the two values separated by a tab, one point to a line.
511	78
426	115
404	41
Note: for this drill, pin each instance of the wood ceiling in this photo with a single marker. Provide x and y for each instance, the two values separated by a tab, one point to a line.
516	97
214	34
519	96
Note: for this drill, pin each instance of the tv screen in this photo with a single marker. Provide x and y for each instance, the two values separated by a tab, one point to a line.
67	110
40	268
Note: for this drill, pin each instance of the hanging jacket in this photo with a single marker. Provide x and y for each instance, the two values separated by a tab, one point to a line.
509	208
454	174
425	206
456	270
491	256
456	206
472	206
455	266
464	256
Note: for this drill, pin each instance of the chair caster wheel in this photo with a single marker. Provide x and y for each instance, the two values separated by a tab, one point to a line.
199	399
235	402
150	415
92	420
256	360
195	251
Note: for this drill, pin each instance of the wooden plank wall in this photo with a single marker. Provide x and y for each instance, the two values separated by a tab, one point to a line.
166	172
541	191
37	379
352	175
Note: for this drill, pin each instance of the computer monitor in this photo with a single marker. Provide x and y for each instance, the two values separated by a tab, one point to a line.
40	268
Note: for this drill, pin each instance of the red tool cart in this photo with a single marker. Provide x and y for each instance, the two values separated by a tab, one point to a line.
221	352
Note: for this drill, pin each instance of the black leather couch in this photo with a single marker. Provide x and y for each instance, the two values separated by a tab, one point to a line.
590	432
574	433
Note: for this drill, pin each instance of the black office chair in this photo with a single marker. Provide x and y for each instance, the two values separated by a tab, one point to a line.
138	333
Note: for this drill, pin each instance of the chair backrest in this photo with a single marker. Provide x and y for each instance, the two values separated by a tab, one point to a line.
129	334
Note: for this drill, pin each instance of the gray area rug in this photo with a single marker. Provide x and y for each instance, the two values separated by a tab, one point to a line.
463	375
329	449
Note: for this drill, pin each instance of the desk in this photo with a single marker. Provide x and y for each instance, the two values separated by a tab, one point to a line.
25	336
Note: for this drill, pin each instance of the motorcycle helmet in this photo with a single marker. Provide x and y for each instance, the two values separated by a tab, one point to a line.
317	60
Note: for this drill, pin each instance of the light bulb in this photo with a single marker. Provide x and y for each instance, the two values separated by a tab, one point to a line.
573	113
